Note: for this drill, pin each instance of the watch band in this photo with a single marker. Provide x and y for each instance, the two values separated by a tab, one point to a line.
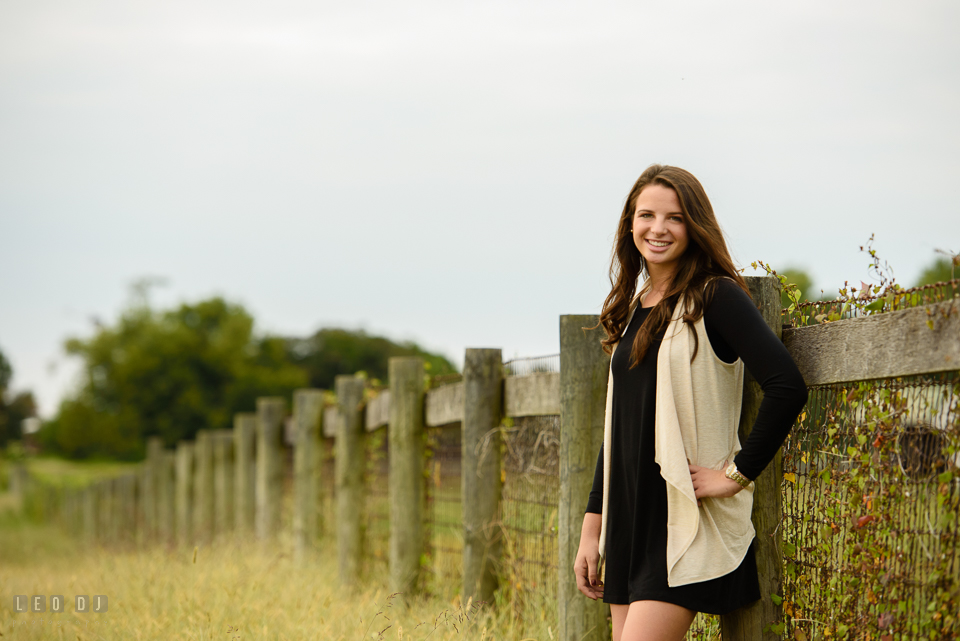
734	474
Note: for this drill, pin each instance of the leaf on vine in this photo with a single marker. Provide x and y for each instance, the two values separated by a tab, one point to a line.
863	520
790	476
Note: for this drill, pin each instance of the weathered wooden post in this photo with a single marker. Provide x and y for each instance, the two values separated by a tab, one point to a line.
126	493
349	467
18	479
584	368
307	416
203	487
146	497
166	473
223	476
405	438
72	521
91	513
749	623
270	414
184	492
480	472
107	527
148	488
245	466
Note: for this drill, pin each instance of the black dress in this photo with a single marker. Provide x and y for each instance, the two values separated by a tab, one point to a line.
637	518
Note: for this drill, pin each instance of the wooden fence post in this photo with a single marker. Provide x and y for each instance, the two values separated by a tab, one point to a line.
71	521
748	624
166	472
406	480
18	479
480	472
223	476
270	414
105	502
90	512
203	487
149	490
307	417
126	493
146	497
349	470
245	466
184	492
584	368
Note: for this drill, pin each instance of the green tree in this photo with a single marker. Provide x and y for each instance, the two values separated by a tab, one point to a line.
941	269
14	408
339	351
802	280
167	374
6	372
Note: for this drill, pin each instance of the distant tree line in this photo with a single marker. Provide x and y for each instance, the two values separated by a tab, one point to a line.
14	407
171	373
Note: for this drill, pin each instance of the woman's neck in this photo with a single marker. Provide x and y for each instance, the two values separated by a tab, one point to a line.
657	285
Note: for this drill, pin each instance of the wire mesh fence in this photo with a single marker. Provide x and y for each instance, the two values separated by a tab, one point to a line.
444	510
865	303
705	627
376	512
328	493
532	365
870	505
528	509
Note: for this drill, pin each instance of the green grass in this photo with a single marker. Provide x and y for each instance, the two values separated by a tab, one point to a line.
64	473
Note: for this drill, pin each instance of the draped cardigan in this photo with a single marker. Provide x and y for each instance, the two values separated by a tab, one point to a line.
697	417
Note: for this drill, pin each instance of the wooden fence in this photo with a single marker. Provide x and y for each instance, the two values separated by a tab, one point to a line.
231	482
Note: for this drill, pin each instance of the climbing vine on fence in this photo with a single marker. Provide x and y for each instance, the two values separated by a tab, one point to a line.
870	512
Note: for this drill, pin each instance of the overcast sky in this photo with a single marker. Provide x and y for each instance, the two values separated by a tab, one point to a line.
447	172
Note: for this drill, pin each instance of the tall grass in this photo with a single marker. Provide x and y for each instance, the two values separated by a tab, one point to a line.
230	591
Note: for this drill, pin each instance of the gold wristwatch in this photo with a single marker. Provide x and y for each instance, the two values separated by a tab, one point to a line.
734	474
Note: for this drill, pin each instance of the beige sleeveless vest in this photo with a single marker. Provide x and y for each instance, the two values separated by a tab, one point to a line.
697	414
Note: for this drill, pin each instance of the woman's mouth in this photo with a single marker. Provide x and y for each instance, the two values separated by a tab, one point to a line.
659	243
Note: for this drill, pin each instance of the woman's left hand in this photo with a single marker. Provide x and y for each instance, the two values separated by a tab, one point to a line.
709	483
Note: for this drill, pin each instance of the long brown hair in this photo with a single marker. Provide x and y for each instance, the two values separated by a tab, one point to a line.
705	260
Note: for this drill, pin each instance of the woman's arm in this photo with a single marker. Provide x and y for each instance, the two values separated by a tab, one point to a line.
588	553
736	329
595	501
588	557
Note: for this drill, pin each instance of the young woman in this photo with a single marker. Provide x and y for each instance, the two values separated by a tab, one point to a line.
669	514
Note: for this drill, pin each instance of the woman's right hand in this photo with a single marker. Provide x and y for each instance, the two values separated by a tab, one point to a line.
588	557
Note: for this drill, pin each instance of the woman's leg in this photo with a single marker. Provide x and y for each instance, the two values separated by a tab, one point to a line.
651	621
618	614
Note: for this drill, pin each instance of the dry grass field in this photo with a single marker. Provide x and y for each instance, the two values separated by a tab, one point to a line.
228	591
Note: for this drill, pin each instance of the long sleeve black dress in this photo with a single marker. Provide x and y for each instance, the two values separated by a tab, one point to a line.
637	518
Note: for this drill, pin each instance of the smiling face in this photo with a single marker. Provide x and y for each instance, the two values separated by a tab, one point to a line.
659	230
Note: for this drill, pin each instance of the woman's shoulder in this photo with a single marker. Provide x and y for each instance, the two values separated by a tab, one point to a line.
724	295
